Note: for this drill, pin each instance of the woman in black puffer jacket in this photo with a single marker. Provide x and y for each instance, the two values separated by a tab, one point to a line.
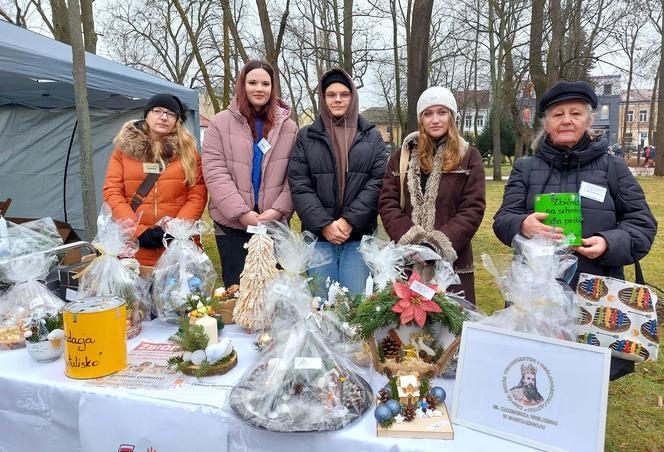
617	224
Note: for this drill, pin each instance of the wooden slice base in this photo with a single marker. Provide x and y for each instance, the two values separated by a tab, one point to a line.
439	427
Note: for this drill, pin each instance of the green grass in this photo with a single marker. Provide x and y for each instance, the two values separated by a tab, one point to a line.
505	170
634	421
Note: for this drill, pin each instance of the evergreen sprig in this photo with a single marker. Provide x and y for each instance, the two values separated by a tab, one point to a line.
190	338
205	368
394	388
375	312
425	386
388	423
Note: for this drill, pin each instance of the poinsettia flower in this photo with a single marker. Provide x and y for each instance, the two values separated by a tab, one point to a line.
411	305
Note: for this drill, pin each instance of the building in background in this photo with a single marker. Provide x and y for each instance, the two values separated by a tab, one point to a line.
638	119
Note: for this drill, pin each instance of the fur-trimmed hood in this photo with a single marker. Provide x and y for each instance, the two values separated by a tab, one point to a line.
135	143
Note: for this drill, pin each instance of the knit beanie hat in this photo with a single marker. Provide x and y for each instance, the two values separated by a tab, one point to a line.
335	77
436	95
167	101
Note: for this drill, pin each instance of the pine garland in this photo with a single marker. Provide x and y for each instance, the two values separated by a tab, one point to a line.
394	388
375	312
425	386
190	338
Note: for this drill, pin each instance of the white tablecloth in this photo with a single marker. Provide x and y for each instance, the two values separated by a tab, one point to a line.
43	410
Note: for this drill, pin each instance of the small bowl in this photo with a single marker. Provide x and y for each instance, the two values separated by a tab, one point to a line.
46	351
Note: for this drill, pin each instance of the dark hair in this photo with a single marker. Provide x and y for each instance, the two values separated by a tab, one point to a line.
269	111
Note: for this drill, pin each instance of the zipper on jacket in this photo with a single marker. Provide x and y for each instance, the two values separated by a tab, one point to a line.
155	200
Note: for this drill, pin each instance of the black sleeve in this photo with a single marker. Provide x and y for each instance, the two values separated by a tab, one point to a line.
507	221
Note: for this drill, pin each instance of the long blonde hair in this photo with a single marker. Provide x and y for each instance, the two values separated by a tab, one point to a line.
186	144
451	153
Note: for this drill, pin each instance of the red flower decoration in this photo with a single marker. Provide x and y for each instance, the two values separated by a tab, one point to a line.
412	305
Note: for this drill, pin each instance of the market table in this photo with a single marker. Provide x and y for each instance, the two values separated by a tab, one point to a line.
42	409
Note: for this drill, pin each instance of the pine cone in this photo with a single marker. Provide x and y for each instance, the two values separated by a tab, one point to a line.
390	348
352	397
433	402
409	412
384	395
424	357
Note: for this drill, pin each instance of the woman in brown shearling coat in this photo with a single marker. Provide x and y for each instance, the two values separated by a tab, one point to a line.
441	200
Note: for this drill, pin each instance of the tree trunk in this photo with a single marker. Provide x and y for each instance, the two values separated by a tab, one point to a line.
348	37
87	17
659	140
418	58
535	63
557	35
397	69
60	21
232	27
84	127
199	58
653	106
495	51
272	48
226	96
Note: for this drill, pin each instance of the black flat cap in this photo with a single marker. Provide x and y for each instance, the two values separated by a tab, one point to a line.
567	91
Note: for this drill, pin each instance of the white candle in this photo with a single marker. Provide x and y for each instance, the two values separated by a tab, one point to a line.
209	325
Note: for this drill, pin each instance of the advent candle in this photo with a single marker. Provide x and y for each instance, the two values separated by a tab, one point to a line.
209	325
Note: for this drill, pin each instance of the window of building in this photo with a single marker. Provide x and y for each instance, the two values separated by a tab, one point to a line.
630	116
607	89
604	111
643	115
389	129
480	120
469	121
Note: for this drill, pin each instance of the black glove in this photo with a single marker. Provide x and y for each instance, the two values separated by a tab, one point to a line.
151	239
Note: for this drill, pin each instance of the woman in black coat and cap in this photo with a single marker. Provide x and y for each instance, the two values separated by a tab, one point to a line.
618	227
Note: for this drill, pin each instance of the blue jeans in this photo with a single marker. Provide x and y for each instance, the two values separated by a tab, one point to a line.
346	266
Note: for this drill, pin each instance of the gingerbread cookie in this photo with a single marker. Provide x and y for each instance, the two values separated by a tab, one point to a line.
650	331
585	317
589	339
630	348
637	297
593	289
611	319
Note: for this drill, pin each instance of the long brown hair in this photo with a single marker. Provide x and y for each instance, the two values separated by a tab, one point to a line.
451	153
186	145
268	113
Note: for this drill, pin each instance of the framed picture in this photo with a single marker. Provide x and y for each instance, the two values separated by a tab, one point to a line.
542	392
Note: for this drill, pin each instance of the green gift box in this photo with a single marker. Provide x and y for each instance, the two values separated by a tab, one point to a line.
564	211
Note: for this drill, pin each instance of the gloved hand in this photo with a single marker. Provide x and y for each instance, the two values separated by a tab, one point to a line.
432	261
151	239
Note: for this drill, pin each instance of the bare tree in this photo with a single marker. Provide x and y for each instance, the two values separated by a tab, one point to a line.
418	58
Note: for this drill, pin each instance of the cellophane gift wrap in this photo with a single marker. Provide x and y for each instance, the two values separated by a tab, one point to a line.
26	238
26	298
108	274
182	269
619	315
532	283
302	382
387	261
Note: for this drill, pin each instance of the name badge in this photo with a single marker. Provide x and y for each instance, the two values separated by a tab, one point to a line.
264	146
151	168
592	191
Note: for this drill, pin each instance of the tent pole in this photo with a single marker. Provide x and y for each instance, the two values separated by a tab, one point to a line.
64	186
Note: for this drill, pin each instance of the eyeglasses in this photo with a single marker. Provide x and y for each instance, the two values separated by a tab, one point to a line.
158	112
342	96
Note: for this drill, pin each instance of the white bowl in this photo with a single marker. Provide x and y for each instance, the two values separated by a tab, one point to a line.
44	351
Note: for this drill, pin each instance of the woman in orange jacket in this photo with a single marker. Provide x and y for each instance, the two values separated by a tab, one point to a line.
157	144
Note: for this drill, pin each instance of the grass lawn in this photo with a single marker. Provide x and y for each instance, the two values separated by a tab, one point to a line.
634	421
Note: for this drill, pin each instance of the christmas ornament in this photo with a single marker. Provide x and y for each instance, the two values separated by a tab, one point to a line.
383	413
394	406
439	393
411	304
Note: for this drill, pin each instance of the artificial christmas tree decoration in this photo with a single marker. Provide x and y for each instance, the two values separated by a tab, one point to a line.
260	269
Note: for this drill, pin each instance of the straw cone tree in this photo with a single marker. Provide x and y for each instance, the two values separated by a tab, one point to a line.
260	268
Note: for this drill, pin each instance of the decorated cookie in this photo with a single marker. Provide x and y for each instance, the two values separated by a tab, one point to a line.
630	348
589	339
650	331
637	297
611	319
585	317
593	289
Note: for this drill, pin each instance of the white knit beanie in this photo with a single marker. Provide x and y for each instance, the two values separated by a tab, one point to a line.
436	95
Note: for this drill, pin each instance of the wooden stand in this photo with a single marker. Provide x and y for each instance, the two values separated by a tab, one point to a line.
439	427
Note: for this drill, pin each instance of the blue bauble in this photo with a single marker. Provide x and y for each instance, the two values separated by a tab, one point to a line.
383	413
195	284
394	406
438	393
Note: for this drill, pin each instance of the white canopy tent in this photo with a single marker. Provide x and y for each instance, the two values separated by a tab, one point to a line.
39	154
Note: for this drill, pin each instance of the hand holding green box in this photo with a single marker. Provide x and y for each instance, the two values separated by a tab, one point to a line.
564	211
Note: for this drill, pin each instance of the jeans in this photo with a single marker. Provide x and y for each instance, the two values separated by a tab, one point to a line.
346	266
